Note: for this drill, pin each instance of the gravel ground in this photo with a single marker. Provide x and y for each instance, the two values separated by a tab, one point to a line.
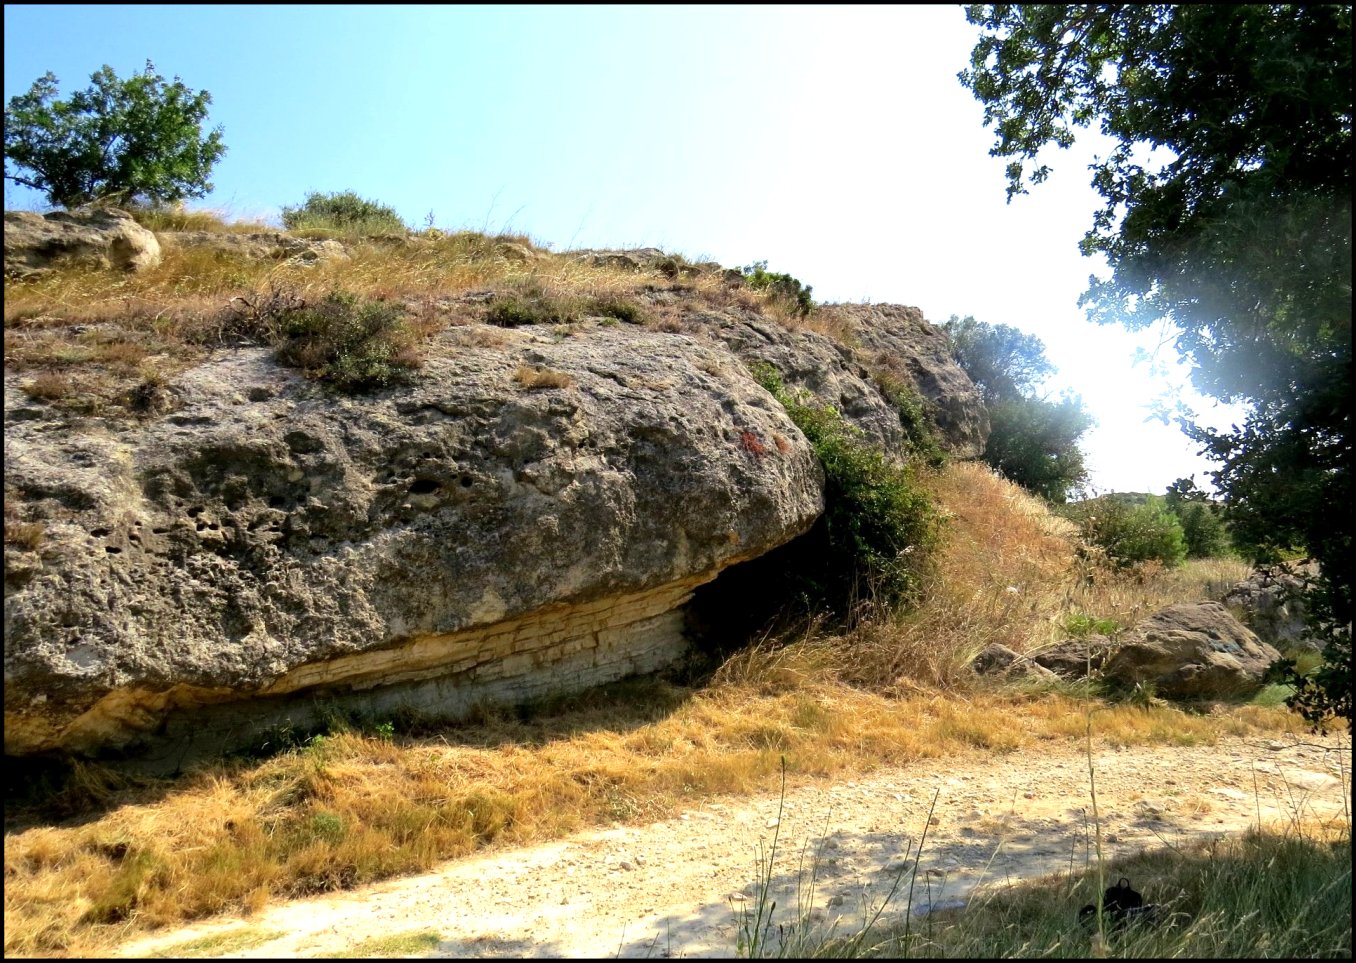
675	888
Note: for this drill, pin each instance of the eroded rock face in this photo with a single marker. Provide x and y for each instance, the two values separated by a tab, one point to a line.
101	238
528	517
1194	650
998	660
1271	603
895	339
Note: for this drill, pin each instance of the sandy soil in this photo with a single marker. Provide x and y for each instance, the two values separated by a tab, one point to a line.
675	888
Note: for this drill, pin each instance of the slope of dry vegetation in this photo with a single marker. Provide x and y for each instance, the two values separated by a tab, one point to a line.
106	855
355	806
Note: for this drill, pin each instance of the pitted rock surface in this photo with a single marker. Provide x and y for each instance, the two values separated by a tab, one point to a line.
268	526
896	340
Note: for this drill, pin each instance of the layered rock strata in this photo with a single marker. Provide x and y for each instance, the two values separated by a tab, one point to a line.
528	517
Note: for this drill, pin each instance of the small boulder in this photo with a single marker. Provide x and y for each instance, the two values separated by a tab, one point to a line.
1001	661
103	238
1073	658
1195	650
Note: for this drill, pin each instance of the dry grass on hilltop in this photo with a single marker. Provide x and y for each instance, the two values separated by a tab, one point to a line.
82	338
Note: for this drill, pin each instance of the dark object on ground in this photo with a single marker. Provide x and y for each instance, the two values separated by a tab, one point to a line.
1120	904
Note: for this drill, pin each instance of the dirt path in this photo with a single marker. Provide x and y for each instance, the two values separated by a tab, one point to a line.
672	888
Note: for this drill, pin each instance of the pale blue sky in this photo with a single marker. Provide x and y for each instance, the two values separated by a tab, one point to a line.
834	143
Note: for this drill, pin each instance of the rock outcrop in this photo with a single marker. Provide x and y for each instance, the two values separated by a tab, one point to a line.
895	340
999	661
99	238
482	534
1191	651
529	517
256	246
1075	659
1271	603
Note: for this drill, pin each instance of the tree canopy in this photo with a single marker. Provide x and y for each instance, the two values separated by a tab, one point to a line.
117	140
1033	441
1227	209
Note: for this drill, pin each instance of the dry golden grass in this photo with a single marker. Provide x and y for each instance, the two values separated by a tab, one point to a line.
534	378
1130	596
177	217
352	808
105	323
20	534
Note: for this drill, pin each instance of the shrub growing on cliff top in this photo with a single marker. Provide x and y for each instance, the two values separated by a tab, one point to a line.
352	344
878	525
344	213
782	286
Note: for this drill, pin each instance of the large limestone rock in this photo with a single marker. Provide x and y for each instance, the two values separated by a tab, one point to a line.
1194	650
528	518
102	238
840	373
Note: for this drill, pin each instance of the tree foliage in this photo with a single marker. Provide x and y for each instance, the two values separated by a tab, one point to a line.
1003	362
1207	535
1227	209
117	141
1033	441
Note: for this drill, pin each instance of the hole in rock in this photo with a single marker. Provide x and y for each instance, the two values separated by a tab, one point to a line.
424	486
769	594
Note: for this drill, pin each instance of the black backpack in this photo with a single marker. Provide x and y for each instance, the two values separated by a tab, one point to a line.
1120	904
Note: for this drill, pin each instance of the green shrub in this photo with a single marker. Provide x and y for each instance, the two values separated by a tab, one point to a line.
782	286
342	213
1207	535
878	527
530	304
918	425
1128	532
1080	625
347	342
1205	532
617	308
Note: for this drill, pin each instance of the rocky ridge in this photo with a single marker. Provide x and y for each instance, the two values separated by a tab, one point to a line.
529	516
